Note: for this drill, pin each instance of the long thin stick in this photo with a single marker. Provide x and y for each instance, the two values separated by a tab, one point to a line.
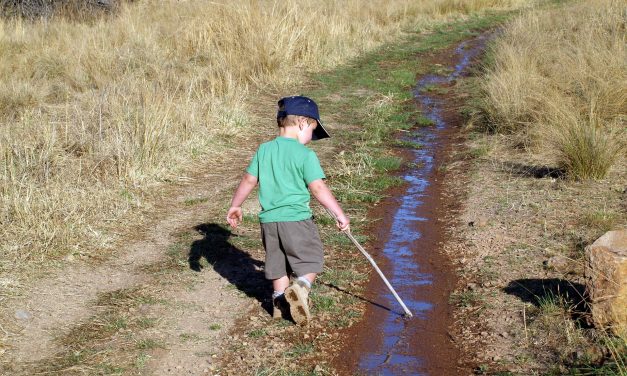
374	264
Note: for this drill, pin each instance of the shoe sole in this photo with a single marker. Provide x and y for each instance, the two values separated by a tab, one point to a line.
296	295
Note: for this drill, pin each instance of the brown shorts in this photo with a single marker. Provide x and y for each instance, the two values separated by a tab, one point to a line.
291	246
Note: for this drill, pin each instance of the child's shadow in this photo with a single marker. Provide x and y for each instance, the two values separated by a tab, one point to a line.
237	266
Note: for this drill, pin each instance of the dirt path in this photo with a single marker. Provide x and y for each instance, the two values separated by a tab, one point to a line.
143	307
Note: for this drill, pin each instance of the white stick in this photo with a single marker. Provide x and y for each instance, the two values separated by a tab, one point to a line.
374	264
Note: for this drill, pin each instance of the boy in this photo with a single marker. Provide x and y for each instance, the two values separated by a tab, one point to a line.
285	168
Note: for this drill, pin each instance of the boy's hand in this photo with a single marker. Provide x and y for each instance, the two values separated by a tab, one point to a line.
234	216
343	223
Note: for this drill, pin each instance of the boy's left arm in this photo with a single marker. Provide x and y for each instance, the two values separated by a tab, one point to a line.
246	185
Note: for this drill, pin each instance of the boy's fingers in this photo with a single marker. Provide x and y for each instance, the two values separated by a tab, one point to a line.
342	226
234	217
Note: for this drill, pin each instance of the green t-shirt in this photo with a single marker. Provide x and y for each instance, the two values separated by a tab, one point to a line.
284	168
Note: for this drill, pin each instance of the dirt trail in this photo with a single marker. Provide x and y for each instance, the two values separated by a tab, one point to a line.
193	311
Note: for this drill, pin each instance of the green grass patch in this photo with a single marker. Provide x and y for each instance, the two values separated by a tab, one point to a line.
323	302
146	322
324	220
257	333
300	350
109	369
195	201
141	360
250	219
386	164
149	344
423	121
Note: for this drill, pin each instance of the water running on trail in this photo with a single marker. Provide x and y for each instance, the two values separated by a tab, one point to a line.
386	343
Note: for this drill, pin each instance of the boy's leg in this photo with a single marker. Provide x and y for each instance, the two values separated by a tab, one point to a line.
279	303
303	249
311	277
275	269
280	284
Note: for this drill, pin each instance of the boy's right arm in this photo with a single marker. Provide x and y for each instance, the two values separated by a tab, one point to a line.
323	194
246	185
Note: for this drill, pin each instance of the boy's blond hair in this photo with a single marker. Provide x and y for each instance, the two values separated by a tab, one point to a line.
288	120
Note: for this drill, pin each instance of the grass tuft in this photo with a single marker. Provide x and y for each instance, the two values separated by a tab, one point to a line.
557	83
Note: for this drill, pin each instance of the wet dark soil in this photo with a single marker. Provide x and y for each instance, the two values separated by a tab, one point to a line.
408	240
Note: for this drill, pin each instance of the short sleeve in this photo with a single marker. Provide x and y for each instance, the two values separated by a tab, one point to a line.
312	169
253	167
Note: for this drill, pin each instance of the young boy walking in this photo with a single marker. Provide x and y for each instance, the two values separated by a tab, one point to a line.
287	172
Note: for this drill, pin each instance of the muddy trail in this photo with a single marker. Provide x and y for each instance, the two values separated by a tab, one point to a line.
409	241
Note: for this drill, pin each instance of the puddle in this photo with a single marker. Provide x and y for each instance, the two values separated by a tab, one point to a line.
399	346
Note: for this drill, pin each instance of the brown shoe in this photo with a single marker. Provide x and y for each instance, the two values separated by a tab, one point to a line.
280	308
297	295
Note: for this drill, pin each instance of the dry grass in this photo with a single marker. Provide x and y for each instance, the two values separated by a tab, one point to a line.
531	218
95	114
559	82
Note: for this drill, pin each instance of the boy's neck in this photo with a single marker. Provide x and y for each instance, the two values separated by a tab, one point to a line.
289	132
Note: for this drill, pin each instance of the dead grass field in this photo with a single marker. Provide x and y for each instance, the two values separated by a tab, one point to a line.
97	115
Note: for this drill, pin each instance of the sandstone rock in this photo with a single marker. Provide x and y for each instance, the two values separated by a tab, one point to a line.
606	281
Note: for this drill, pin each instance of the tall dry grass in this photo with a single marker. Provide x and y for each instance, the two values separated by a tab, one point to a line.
559	80
94	113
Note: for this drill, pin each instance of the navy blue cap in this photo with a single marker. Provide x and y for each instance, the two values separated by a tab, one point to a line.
303	106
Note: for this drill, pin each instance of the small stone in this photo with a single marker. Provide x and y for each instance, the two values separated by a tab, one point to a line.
558	263
483	334
70	258
318	369
504	334
20	314
472	286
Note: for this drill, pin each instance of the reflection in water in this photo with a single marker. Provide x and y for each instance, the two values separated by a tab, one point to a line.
395	357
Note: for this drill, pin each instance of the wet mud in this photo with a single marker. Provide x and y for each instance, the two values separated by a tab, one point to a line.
407	245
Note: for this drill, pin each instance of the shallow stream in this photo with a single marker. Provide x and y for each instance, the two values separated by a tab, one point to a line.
397	345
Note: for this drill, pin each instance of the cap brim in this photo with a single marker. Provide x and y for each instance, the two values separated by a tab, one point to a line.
319	133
